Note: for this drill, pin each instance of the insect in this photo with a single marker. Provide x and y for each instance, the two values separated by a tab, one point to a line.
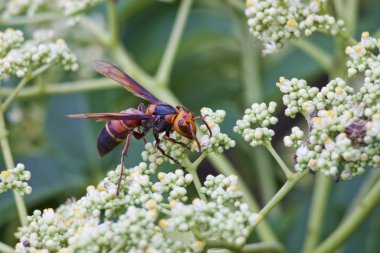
158	116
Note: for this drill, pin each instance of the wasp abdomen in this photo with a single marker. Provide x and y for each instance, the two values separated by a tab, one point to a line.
111	135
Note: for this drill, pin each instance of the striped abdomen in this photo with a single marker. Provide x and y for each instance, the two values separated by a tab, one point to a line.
113	133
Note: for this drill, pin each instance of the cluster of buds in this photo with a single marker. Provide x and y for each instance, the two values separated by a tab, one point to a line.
223	217
20	58
274	22
14	179
30	8
219	141
260	115
142	217
344	126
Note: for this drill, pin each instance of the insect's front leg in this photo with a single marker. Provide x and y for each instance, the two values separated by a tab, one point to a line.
168	138
157	145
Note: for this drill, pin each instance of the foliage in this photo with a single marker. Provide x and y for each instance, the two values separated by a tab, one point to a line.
205	51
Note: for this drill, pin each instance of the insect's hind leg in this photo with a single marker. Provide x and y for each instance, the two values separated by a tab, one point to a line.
123	155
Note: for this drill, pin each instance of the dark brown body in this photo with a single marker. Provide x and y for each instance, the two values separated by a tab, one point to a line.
116	131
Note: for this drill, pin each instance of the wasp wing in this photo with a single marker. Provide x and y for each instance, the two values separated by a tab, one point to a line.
109	70
112	116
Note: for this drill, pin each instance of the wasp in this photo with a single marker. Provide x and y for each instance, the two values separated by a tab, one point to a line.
159	116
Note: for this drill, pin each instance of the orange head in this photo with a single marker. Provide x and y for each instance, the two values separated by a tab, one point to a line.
184	123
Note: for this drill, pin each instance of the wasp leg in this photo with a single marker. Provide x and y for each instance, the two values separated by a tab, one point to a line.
139	136
168	138
204	122
192	131
157	145
123	154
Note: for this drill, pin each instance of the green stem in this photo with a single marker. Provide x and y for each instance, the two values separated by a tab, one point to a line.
366	186
287	171
38	18
113	24
317	212
62	88
7	154
292	181
270	247
100	34
237	5
264	247
224	166
253	91
345	229
4	248
166	65
348	11
319	55
192	169
21	85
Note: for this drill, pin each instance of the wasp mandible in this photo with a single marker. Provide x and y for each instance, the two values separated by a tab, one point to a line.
158	116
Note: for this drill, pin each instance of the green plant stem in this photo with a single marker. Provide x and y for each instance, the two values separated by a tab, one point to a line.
348	11
269	247
237	5
4	248
101	35
252	84
284	167
290	183
317	212
113	23
166	65
372	178
192	169
224	166
7	154
264	247
358	215
21	85
319	55
38	18
62	88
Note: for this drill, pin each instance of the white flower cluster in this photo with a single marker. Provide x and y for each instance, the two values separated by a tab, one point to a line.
295	139
30	8
260	115
297	95
273	22
344	126
18	58
13	179
365	58
222	189
174	183
224	217
219	141
142	217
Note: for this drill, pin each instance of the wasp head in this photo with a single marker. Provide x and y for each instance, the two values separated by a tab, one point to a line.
184	123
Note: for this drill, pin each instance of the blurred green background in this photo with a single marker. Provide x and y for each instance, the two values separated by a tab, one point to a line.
218	65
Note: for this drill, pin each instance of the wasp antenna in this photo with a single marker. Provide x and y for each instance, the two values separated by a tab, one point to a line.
204	122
